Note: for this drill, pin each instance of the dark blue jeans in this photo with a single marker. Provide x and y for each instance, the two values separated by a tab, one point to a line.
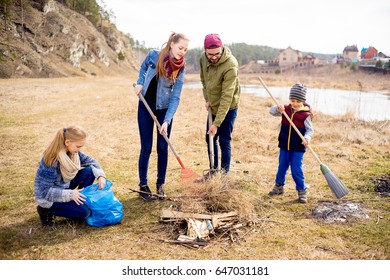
224	138
84	178
146	126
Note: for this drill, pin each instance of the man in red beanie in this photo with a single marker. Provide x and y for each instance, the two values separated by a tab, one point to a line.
221	91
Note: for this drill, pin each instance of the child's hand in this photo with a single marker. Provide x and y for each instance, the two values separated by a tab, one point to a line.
78	197
101	182
306	142
280	108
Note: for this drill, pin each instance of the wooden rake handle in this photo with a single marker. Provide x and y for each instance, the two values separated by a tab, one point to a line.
290	121
158	124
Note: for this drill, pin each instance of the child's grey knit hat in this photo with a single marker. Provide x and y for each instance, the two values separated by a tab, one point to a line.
298	92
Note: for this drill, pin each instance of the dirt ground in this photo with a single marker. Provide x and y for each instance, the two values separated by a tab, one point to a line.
31	110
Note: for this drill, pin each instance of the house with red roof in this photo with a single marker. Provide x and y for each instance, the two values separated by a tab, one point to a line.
368	53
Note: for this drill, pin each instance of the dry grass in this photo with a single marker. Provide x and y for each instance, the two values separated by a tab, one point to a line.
222	193
32	110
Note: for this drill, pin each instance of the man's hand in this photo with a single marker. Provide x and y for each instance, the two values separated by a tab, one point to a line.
213	130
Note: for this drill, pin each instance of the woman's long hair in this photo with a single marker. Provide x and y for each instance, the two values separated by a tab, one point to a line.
174	38
73	133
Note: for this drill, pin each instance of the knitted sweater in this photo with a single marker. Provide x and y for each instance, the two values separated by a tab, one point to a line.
49	185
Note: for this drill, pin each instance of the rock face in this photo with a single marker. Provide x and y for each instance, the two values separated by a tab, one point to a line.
54	41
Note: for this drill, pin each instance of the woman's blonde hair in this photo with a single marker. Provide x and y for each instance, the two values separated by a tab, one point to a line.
72	133
174	38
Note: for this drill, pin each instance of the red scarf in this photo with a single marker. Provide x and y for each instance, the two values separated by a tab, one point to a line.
172	67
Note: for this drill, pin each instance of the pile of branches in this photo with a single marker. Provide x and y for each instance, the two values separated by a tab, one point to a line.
219	209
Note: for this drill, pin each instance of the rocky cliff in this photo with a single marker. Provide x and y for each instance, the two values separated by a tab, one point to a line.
50	40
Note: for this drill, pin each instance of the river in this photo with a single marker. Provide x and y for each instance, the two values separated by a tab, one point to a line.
367	106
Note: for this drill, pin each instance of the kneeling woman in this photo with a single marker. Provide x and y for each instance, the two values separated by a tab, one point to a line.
61	176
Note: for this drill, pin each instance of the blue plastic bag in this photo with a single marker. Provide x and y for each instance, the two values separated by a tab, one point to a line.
105	207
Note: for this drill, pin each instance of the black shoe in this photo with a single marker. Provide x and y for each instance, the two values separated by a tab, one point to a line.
45	216
160	192
146	193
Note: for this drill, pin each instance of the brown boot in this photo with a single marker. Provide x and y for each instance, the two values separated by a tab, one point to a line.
277	190
302	196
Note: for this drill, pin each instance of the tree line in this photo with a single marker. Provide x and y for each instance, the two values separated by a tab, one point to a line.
243	52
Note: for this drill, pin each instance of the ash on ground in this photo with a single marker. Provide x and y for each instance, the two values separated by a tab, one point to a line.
331	212
382	184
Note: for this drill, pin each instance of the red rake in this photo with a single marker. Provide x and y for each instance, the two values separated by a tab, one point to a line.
185	172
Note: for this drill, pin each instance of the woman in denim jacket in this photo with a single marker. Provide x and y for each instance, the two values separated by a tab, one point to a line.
160	81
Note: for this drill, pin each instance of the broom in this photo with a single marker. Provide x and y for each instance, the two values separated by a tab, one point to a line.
335	184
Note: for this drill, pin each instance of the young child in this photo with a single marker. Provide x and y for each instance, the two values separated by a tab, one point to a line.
292	148
62	174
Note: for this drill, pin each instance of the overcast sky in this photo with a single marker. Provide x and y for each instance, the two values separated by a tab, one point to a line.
322	26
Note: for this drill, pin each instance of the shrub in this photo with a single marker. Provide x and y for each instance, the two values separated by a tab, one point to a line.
379	64
121	56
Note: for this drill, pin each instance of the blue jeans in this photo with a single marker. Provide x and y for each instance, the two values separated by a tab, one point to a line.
146	126
224	138
294	160
84	178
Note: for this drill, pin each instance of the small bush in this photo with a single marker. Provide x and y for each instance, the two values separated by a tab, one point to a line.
121	56
379	64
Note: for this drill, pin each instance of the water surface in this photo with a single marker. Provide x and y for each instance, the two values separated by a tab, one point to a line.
367	106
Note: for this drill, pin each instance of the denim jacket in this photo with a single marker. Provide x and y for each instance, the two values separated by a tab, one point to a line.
168	93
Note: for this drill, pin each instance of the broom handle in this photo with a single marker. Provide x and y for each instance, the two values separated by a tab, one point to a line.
158	125
290	121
